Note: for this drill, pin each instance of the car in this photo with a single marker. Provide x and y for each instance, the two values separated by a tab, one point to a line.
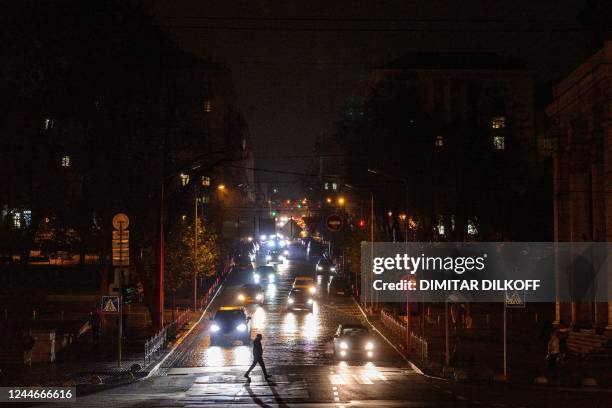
295	250
314	250
229	324
305	282
275	256
251	293
300	299
339	285
353	341
243	262
325	266
264	274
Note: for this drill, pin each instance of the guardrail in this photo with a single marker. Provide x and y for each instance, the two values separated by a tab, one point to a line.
417	345
157	343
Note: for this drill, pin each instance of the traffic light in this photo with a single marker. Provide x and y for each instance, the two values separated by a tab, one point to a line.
129	293
273	213
361	223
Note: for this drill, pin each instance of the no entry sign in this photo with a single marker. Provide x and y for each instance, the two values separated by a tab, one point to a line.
334	222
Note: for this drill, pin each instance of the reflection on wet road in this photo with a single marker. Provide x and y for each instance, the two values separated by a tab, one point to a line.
289	337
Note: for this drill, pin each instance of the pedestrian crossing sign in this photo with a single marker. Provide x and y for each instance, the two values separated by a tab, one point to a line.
110	304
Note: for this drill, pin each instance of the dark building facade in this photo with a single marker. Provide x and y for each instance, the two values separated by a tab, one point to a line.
582	116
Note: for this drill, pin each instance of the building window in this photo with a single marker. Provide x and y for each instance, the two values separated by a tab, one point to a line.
184	179
334	186
207	106
439	141
17	220
326	186
499	142
498	122
27	217
66	161
205	181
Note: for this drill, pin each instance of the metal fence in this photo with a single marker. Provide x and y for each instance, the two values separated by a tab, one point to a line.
417	345
157	343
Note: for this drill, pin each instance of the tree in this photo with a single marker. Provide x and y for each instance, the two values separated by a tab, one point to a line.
180	264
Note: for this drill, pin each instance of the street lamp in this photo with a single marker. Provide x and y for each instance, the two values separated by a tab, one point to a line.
341	201
221	187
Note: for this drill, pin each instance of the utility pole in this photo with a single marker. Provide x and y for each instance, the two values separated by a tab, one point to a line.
195	247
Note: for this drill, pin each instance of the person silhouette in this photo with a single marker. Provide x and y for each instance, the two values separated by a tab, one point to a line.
257	357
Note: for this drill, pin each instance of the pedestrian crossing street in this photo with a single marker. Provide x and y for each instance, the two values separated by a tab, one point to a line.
323	384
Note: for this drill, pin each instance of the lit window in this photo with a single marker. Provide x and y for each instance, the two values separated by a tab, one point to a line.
65	161
499	143
205	181
498	122
439	141
326	186
184	179
17	220
207	106
334	186
27	217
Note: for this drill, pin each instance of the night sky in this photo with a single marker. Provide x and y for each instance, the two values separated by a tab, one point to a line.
295	63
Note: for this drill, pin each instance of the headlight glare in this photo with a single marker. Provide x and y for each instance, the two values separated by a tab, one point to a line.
241	297
290	301
214	328
343	345
241	327
369	345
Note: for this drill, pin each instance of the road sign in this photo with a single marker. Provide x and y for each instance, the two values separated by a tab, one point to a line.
334	222
110	304
514	299
121	221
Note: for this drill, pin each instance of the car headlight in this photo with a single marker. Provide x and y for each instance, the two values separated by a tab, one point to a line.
271	276
333	269
309	301
241	297
214	328
286	252
268	257
312	289
319	268
241	327
369	345
343	345
259	296
290	301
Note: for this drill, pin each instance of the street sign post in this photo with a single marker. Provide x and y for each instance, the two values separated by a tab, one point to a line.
110	304
121	259
334	222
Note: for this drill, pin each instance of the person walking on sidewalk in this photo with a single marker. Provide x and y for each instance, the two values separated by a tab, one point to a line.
552	358
257	358
27	344
96	325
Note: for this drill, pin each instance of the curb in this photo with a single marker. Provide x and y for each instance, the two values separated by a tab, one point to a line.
401	354
179	341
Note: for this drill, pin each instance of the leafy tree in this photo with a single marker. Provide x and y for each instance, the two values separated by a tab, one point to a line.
180	264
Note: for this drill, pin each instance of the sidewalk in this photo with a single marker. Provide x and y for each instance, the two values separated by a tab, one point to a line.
87	365
479	358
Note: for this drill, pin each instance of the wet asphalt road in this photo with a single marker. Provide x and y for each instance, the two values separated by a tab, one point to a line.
297	352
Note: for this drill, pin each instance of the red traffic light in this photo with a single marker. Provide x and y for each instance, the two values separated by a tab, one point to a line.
362	224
